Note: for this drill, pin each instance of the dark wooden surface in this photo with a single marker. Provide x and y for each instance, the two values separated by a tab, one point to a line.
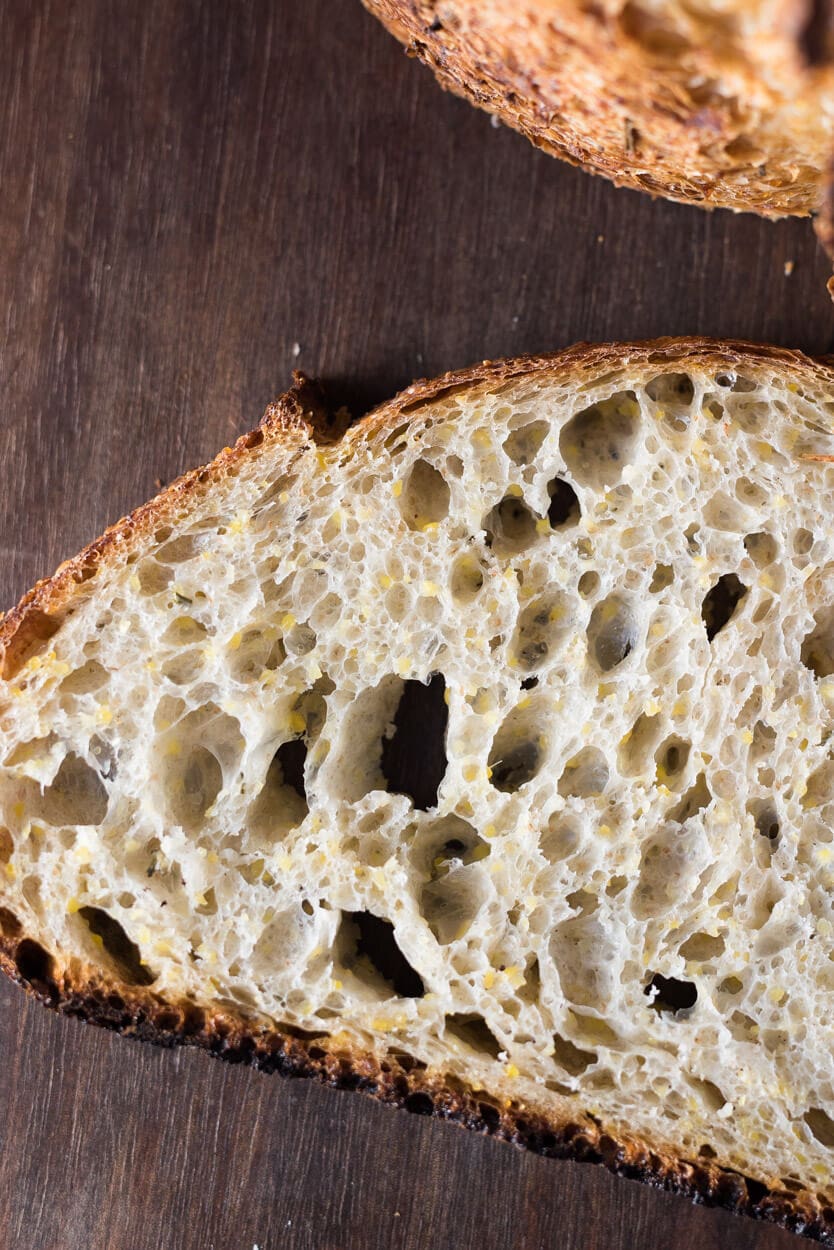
196	197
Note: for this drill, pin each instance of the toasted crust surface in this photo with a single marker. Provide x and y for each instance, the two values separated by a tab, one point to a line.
727	107
141	1013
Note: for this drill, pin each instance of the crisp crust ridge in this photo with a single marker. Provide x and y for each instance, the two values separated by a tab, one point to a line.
296	418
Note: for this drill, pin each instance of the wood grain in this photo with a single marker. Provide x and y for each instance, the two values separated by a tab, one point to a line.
197	196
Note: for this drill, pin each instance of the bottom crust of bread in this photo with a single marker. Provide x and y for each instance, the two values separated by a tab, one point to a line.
397	1081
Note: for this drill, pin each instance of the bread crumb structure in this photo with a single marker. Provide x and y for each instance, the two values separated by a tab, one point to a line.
495	734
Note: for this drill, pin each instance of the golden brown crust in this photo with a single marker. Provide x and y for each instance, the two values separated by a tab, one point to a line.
84	992
732	109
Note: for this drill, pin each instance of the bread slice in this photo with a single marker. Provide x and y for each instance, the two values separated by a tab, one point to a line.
478	756
728	105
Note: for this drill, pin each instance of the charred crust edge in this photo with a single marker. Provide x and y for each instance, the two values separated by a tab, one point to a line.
396	1082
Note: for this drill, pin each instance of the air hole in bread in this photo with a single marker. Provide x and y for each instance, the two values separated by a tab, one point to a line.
181	549
720	603
563	510
571	1058
425	497
702	946
6	845
419	1103
300	640
510	527
585	775
523	445
762	548
692	534
726	514
670	866
754	418
819	788
662	577
153	577
671	758
582	901
440	844
588	583
803	541
708	1092
475	1033
33	753
193	782
290	758
696	798
124	953
766	819
817	651
638	745
599	442
516	753
86	679
594	1031
560	839
413	759
743	1026
281	804
10	926
612	632
454	896
542	626
184	631
736	382
821	1125
671	388
670	994
183	667
467	578
35	965
584	956
750	493
254	651
371	952
75	797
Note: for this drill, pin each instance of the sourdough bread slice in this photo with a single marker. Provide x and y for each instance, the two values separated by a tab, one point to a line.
479	756
725	105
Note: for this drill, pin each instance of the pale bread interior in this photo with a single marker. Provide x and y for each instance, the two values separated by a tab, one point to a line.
500	739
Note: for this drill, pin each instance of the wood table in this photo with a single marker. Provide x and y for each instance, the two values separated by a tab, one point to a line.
196	197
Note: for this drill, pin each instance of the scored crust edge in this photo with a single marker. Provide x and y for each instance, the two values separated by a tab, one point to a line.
298	417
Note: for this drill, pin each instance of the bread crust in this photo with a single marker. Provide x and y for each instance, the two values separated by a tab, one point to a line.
84	992
731	109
